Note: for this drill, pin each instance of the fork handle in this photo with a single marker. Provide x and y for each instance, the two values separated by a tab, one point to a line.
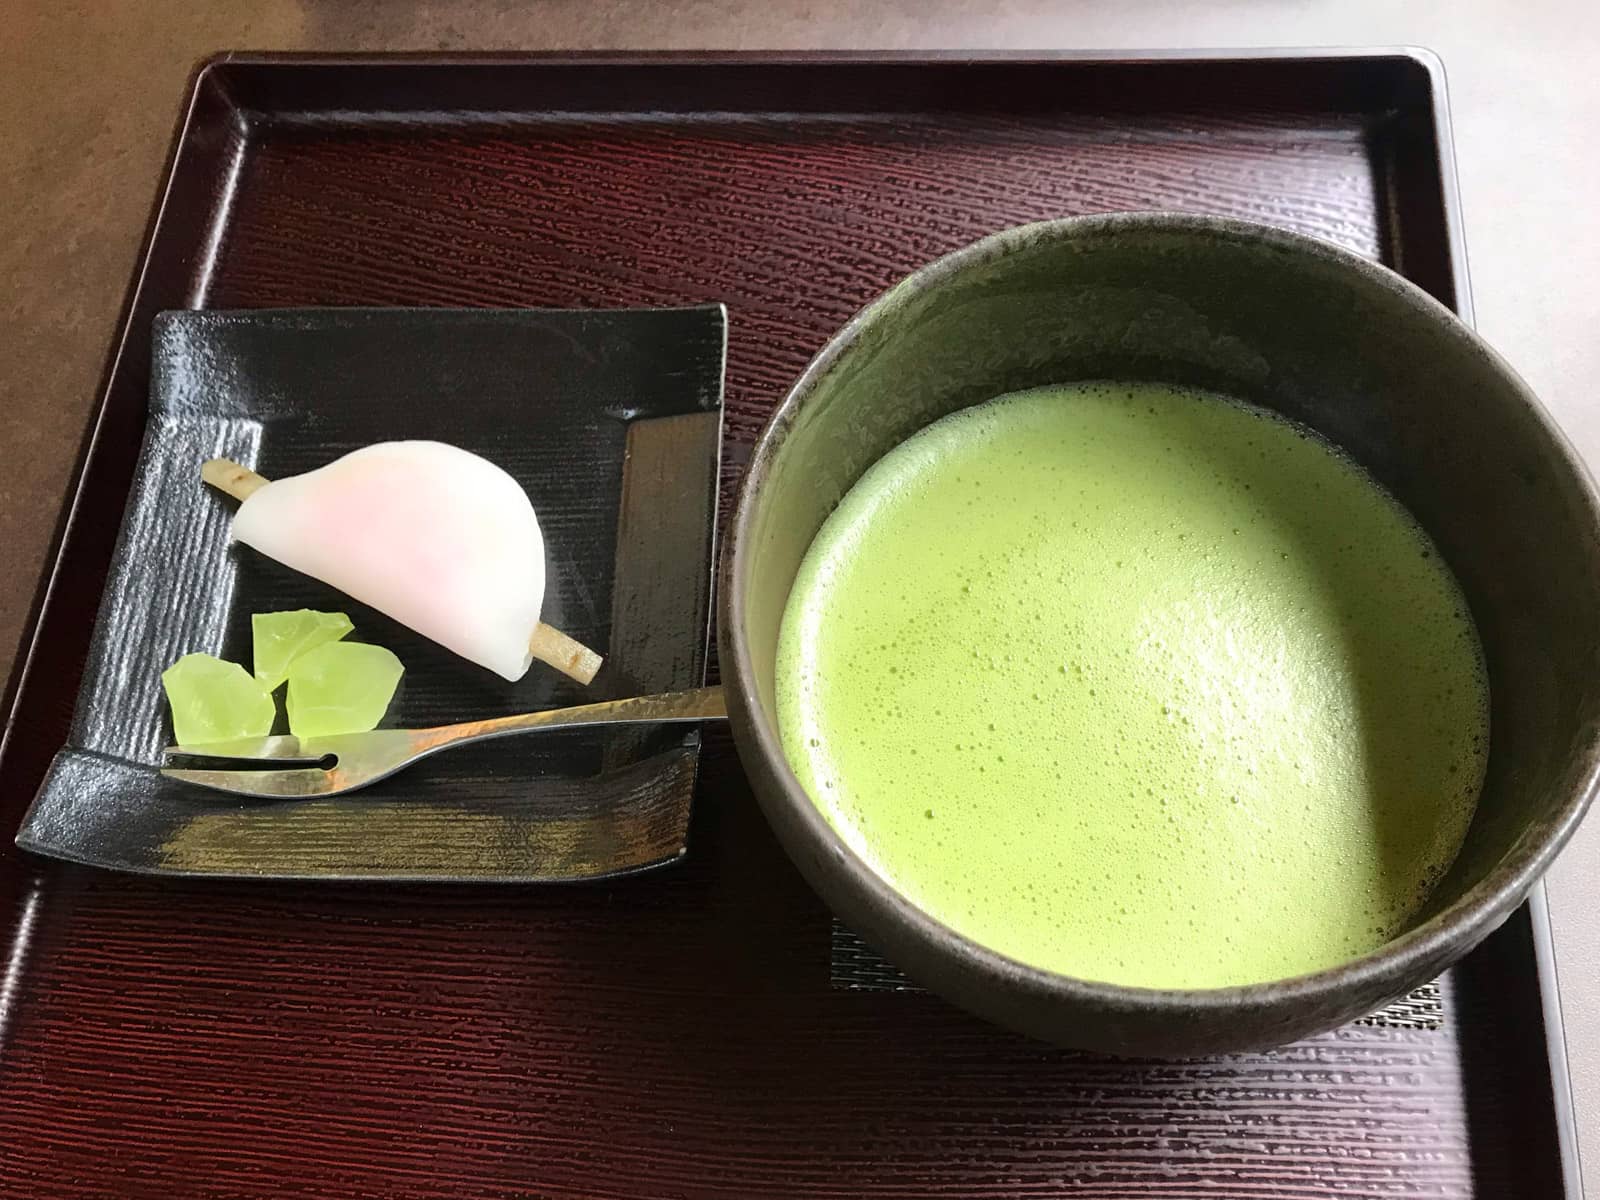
700	704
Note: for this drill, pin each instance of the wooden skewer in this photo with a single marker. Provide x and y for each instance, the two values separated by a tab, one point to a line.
228	476
566	654
548	644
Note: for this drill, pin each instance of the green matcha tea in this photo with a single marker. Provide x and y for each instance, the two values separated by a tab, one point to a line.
1139	685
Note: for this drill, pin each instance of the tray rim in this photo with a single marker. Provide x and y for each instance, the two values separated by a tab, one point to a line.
1421	55
1432	77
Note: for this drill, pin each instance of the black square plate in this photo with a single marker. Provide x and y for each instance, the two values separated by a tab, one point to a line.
612	422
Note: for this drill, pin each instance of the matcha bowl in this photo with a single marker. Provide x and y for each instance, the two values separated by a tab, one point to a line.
1329	340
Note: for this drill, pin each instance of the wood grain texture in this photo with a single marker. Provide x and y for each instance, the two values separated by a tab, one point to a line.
676	1035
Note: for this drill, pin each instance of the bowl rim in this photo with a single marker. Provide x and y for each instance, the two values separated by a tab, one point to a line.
1455	928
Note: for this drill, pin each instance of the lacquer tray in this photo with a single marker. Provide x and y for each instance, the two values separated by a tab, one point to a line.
680	1034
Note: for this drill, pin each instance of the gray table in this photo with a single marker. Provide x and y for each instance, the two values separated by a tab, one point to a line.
89	91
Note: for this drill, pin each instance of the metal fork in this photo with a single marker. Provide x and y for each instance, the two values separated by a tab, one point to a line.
329	766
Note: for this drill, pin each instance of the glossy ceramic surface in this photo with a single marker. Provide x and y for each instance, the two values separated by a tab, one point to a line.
610	420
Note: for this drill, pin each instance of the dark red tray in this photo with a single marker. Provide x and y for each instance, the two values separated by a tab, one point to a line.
677	1035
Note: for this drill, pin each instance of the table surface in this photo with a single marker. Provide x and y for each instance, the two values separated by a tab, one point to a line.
89	92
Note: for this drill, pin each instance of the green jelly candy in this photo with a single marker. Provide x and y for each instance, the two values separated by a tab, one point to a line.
215	701
341	687
282	637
